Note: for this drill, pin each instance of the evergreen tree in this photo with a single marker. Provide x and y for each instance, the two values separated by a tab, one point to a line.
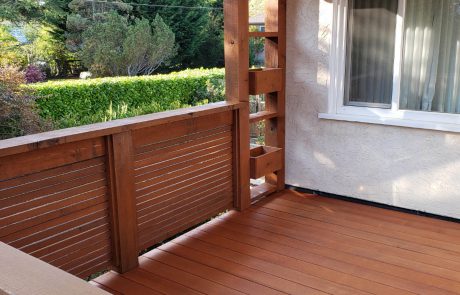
114	47
20	11
199	32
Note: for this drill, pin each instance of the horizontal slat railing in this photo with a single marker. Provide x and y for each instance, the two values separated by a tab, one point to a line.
90	198
183	174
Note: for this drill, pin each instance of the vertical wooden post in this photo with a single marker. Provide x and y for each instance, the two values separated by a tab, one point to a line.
123	202
275	57
236	35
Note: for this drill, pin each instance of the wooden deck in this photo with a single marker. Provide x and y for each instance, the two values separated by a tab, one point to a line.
302	244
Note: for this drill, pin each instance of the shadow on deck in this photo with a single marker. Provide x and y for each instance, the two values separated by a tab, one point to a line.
302	244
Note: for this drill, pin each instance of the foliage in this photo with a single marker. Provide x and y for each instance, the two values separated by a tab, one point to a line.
93	9
214	91
211	52
102	50
83	14
77	102
49	12
146	48
199	32
256	47
60	24
17	11
34	74
18	113
256	7
113	47
46	49
41	47
10	50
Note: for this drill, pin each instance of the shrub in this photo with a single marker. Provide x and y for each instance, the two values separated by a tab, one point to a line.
18	113
34	74
77	102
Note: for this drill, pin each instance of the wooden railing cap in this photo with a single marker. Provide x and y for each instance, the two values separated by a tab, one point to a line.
47	139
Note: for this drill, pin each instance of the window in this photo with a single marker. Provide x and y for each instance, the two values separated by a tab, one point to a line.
396	62
431	56
370	52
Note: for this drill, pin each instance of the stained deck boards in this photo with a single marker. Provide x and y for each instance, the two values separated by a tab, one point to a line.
294	243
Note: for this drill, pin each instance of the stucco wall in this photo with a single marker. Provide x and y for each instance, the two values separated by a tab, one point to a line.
404	167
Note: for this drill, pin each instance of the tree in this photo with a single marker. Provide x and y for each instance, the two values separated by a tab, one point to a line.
10	50
199	32
19	11
50	12
113	47
146	48
46	43
84	14
211	52
44	47
102	50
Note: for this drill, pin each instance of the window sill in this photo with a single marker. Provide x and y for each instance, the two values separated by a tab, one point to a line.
392	121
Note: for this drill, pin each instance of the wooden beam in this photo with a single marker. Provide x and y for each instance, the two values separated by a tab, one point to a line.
123	201
263	34
261	116
236	39
236	47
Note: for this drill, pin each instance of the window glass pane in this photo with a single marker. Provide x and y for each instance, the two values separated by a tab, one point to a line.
431	65
370	52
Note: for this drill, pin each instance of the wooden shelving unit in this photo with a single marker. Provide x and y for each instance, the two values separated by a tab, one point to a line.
270	81
241	82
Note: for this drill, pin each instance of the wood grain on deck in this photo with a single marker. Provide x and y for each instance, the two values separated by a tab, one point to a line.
294	243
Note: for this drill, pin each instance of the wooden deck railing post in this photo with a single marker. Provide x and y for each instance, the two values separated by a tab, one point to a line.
236	35
123	202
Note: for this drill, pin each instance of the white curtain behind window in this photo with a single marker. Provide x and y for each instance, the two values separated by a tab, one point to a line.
370	51
431	58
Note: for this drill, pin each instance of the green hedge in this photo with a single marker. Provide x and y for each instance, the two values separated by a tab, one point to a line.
78	102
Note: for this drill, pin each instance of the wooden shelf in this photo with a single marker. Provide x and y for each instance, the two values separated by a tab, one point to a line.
264	160
265	80
263	34
260	116
261	191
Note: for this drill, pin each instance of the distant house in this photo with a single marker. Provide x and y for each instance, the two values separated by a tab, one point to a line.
258	21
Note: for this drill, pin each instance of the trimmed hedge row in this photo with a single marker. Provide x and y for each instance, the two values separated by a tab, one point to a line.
78	102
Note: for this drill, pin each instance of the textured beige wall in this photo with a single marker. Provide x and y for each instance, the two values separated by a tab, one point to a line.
404	167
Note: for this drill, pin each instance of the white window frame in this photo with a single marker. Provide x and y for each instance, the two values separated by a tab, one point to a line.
365	114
